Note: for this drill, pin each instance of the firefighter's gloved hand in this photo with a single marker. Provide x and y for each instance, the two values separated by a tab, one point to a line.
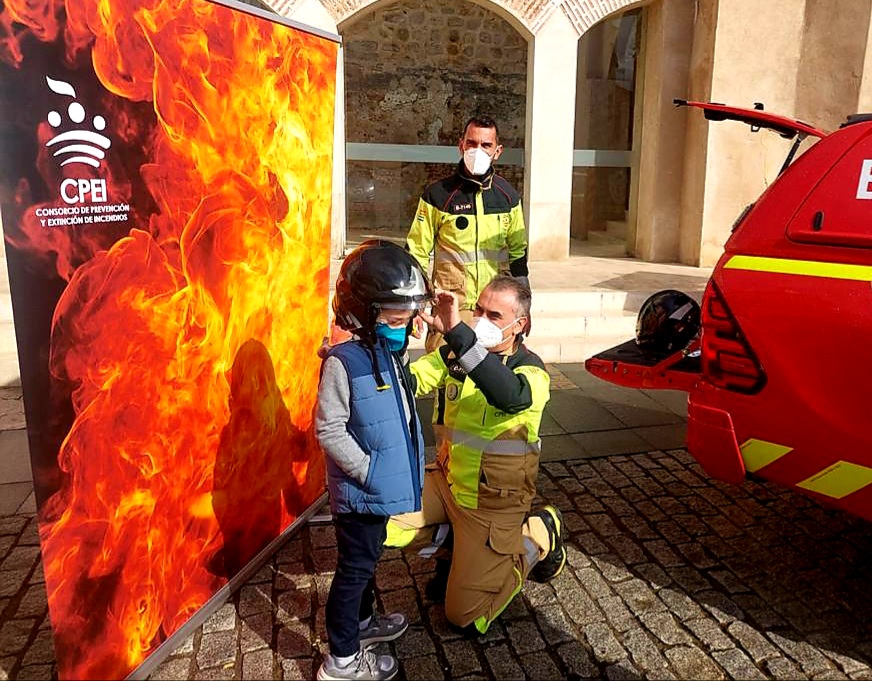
524	280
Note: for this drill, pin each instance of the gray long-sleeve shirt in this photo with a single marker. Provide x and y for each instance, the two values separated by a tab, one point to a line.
331	419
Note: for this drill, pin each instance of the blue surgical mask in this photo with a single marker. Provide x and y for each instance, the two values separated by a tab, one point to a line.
396	337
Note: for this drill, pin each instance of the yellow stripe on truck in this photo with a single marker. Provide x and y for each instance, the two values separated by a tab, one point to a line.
759	453
805	268
839	480
836	481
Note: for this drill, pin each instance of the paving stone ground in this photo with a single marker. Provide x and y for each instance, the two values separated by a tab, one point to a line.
670	575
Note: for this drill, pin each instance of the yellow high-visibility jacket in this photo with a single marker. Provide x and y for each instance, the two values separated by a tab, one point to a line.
474	229
493	409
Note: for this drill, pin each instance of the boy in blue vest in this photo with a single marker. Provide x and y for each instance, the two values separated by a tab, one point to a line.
369	430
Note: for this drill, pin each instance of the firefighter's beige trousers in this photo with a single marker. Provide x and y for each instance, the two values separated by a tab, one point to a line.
488	566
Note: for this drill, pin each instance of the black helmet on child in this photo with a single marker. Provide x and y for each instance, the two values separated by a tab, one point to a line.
374	275
668	321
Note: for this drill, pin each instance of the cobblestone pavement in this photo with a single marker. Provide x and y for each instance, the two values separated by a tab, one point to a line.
670	576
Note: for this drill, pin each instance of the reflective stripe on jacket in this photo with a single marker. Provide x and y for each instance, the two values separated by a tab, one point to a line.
475	230
378	424
490	453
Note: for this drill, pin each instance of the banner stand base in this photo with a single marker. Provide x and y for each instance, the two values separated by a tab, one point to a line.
165	649
321	519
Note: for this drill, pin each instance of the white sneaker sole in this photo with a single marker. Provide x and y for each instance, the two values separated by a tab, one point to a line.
324	676
373	640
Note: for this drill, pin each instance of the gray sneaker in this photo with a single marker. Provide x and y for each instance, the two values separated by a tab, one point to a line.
366	666
383	628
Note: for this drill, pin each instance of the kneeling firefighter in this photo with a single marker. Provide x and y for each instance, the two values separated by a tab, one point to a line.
484	479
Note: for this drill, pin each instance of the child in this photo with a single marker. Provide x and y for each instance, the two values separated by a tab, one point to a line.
367	425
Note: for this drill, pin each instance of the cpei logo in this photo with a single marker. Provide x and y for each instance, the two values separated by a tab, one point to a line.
78	145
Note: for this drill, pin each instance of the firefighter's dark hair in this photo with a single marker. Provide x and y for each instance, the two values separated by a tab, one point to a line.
481	122
503	282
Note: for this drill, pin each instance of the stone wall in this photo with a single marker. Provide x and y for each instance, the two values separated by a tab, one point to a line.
415	70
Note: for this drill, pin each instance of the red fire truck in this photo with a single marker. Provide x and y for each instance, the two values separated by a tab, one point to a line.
777	378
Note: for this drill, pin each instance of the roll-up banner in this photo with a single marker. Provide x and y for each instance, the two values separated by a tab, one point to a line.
165	190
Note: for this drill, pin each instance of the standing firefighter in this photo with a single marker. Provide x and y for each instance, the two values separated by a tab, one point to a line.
471	222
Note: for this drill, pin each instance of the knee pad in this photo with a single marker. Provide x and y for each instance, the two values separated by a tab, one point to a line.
399	537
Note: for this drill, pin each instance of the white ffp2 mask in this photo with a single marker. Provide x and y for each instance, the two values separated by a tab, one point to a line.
476	161
487	333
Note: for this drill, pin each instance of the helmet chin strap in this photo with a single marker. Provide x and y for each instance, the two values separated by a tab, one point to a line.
370	340
379	381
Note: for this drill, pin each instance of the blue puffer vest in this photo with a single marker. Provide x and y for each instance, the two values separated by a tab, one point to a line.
378	424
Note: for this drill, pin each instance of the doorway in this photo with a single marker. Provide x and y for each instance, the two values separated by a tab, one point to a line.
606	99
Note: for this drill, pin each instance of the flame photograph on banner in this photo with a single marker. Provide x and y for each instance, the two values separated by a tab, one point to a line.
165	188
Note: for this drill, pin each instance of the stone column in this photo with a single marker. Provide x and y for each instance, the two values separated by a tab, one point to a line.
756	58
667	35
551	67
864	99
831	70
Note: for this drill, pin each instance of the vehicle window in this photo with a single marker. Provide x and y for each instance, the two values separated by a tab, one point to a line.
838	211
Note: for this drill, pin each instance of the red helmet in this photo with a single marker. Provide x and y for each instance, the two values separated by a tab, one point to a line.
667	321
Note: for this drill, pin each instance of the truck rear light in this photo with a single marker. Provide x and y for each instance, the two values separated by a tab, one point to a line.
727	359
737	364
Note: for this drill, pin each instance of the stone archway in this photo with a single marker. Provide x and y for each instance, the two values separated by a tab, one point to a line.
552	30
526	16
415	71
